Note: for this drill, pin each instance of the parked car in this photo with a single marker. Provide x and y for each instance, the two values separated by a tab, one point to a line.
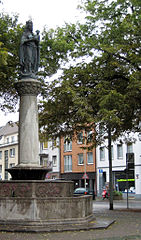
84	191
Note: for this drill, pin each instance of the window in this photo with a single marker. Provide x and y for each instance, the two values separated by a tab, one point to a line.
7	140
12	139
89	136
54	160
44	161
68	163
90	158
80	138
129	148
54	143
6	163
80	159
12	152
67	145
101	129
119	151
45	145
0	168
0	154
112	152
102	153
12	165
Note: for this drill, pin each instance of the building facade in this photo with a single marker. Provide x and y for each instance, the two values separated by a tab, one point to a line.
50	157
123	147
8	149
49	154
77	163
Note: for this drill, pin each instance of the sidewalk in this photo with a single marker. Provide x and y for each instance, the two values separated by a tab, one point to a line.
127	225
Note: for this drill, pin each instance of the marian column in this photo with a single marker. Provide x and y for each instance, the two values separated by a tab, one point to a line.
28	87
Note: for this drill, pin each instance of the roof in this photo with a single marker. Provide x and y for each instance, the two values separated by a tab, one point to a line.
9	128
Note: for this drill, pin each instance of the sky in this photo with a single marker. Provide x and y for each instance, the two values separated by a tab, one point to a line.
49	13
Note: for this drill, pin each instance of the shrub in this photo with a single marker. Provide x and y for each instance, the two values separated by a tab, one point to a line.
117	193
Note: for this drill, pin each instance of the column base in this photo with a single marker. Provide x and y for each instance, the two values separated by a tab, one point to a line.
28	172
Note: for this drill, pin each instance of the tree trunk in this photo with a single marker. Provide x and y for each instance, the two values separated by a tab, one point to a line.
110	171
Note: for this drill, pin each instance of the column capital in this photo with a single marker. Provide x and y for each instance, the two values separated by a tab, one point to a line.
28	86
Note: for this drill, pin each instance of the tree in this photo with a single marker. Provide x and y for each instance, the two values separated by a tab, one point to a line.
111	38
10	32
101	86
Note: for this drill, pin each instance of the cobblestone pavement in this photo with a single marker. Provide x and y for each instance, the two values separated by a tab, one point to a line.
127	225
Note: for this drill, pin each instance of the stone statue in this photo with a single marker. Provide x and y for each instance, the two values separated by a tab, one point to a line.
29	51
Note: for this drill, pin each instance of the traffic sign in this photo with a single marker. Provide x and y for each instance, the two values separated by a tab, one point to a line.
85	176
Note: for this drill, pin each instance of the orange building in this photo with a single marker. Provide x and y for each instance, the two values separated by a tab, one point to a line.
78	163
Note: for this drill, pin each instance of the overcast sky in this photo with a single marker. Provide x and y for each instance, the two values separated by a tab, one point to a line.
51	13
44	12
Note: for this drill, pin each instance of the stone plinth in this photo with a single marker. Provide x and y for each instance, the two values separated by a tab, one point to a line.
41	189
42	204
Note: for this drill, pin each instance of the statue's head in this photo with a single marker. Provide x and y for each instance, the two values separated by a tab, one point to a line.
29	25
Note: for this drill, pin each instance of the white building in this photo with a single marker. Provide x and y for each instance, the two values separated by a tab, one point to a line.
49	152
8	148
50	157
130	143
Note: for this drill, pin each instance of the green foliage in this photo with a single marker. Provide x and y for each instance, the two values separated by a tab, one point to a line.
3	55
10	32
55	46
117	193
101	63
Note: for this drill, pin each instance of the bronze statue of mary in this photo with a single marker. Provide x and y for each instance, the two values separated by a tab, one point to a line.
29	51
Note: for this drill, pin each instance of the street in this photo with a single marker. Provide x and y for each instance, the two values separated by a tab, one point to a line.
118	204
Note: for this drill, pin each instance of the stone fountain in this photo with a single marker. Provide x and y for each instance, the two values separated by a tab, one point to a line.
28	202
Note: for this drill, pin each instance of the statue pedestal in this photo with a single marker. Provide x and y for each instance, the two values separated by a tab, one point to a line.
28	167
28	90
